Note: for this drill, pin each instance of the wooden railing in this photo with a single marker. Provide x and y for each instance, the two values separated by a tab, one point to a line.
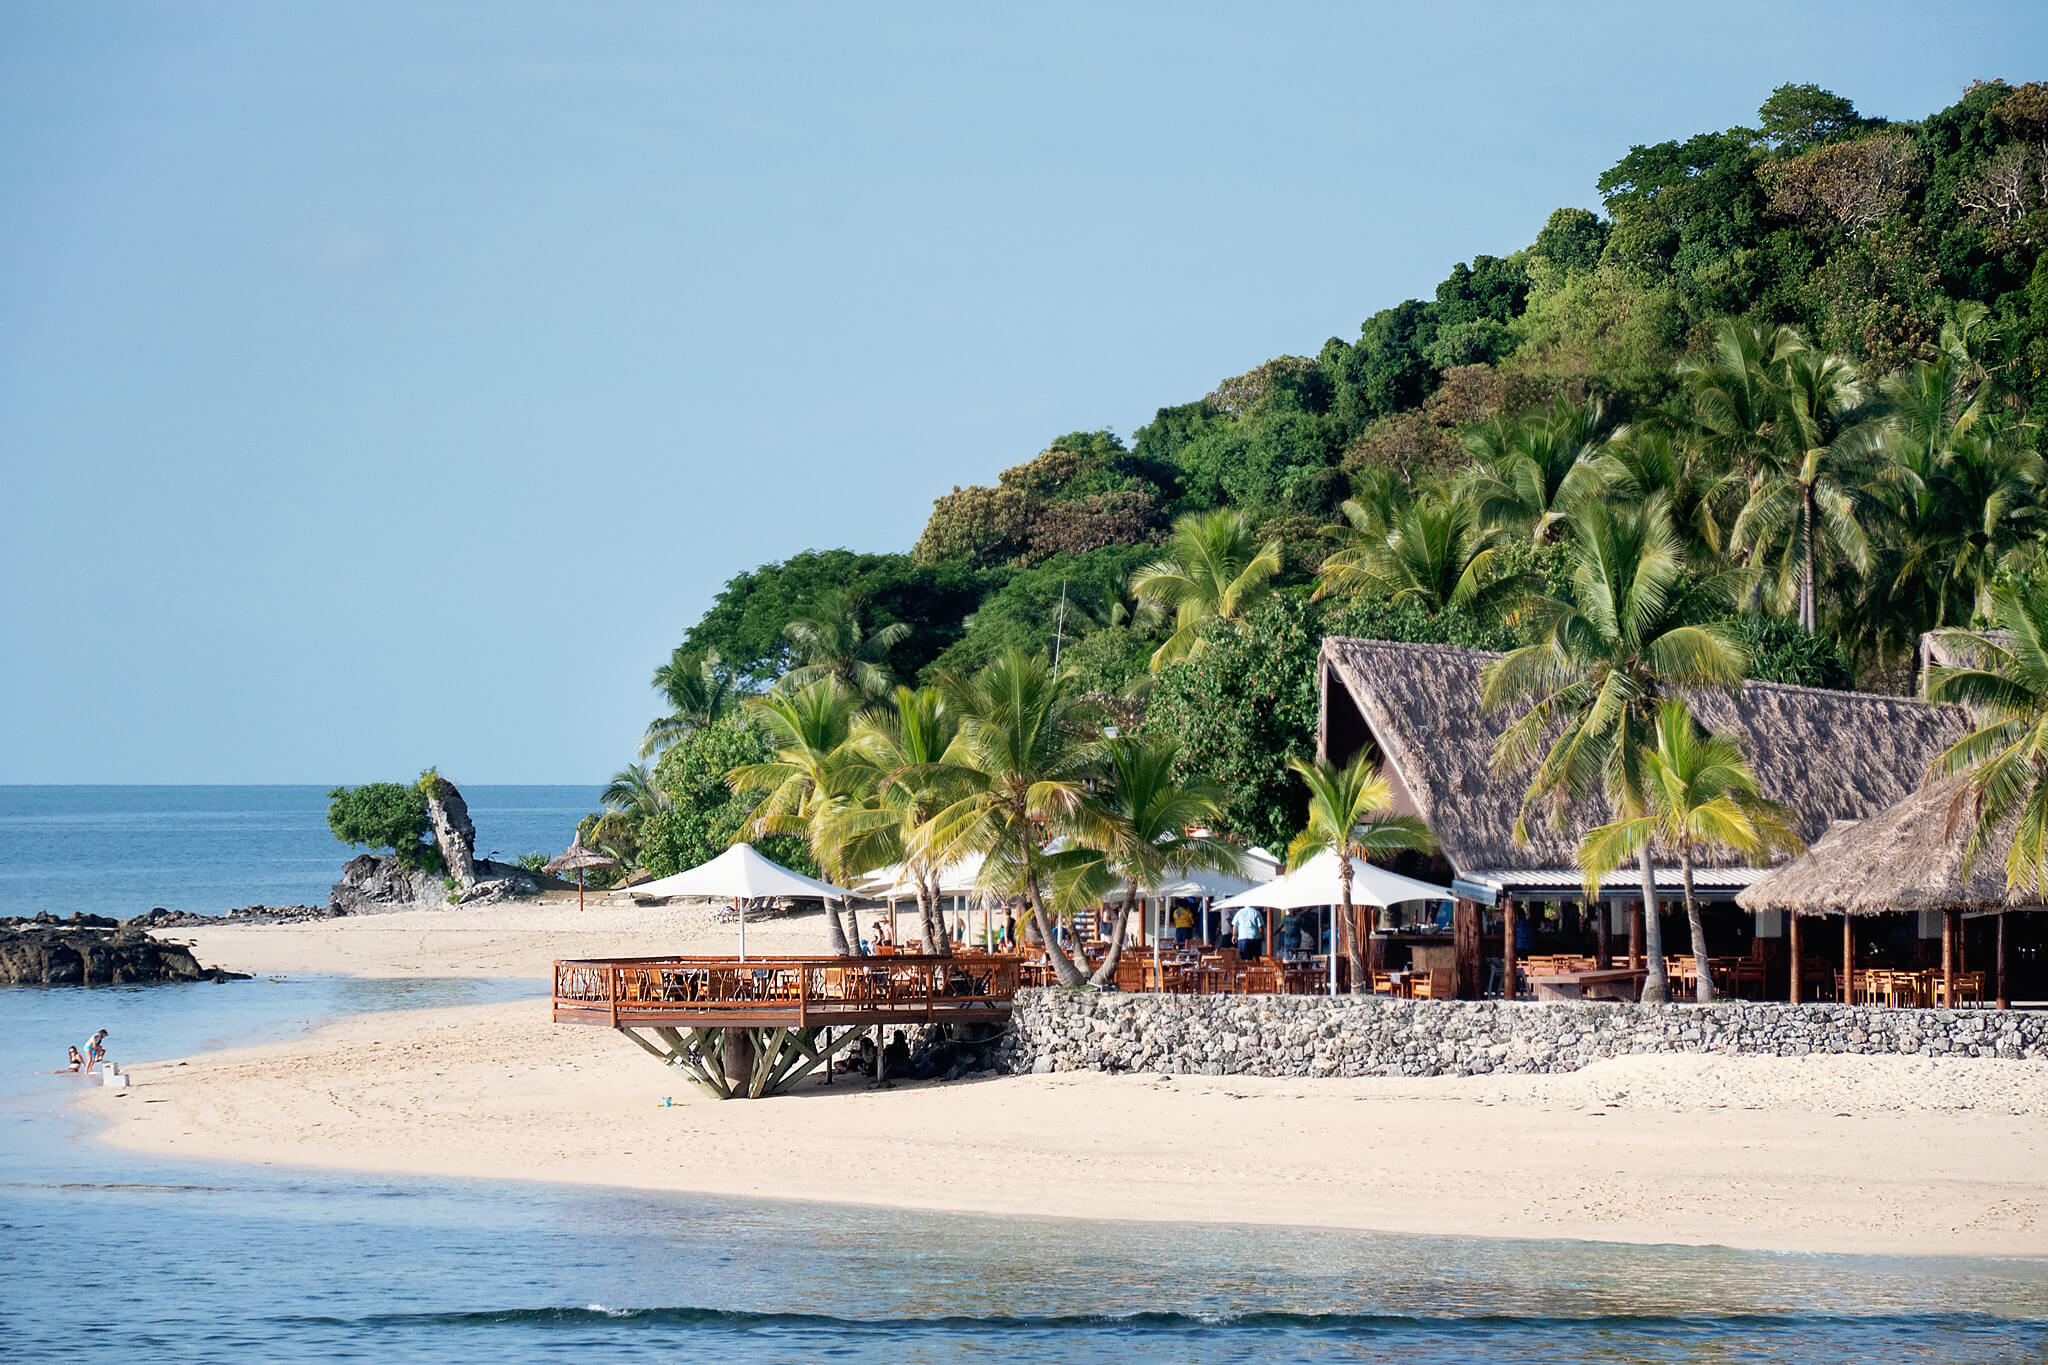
807	990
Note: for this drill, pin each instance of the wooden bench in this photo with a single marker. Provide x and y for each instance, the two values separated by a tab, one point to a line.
1616	983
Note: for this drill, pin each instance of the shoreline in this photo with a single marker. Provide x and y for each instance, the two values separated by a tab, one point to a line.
1897	1156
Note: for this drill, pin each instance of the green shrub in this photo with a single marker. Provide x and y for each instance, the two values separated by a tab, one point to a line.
386	816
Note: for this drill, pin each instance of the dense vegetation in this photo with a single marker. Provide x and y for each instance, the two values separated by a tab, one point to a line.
387	816
1814	349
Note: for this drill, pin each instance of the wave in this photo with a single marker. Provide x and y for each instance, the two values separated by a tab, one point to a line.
1158	1322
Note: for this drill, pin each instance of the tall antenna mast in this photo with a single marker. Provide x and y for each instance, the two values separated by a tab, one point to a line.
1059	631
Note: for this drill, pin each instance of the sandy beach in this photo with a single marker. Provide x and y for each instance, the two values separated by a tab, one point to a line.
1942	1156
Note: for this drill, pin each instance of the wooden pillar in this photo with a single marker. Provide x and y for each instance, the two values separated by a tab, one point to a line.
1848	959
1469	951
1635	936
1375	945
1951	930
1267	920
1603	934
2003	964
1507	948
1792	946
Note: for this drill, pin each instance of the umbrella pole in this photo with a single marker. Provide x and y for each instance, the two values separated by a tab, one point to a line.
741	906
579	890
1330	948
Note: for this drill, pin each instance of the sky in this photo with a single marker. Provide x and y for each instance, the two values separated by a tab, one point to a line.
392	384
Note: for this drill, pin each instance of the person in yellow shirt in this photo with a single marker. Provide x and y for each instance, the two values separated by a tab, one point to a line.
1183	924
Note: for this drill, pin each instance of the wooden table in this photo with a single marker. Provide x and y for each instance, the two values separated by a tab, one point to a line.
1616	983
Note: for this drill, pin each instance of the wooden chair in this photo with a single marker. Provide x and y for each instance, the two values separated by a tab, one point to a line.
1382	984
1435	986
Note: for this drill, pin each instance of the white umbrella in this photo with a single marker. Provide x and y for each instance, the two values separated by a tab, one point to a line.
1315	883
740	874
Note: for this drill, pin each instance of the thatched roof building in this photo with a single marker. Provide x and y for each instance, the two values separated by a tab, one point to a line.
1826	756
1908	857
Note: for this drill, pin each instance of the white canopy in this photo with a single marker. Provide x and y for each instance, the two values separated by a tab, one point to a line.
740	873
1197	884
1315	883
891	883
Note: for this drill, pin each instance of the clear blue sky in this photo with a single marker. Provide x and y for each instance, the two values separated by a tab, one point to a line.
392	384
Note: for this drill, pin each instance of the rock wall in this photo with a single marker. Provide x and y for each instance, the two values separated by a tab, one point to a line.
1056	1030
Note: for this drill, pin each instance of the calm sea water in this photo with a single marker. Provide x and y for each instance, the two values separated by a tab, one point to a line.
107	1256
121	850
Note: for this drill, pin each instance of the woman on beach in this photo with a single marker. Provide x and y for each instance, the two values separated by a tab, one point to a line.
77	1064
95	1050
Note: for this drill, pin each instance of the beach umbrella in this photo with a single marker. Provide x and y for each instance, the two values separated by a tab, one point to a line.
1315	883
577	858
739	875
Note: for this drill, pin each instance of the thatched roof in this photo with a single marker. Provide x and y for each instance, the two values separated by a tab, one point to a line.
1826	756
1908	857
578	857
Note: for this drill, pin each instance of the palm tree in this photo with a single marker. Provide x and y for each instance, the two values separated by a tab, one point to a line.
630	801
1602	664
831	642
1435	551
1732	391
1807	486
1135	831
2005	685
1532	482
1350	814
907	746
700	691
810	779
1024	759
1702	793
1214	569
1640	461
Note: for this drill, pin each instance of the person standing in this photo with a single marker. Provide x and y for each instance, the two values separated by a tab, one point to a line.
1183	924
95	1050
1249	924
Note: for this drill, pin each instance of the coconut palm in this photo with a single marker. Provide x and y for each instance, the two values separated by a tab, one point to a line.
1602	664
809	781
1351	814
906	744
2005	685
1214	569
830	641
700	691
1807	487
1732	392
1640	461
1532	482
1435	551
1701	793
1024	757
1135	831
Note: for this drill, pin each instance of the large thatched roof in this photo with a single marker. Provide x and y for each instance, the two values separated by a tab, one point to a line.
1908	857
1826	756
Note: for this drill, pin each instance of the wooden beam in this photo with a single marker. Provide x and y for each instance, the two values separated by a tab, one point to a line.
1951	930
1847	991
1603	934
2004	966
1792	939
1469	952
1507	948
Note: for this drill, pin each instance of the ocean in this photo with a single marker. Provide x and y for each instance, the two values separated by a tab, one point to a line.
110	1256
122	851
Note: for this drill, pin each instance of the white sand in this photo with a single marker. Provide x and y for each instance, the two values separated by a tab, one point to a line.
1827	1154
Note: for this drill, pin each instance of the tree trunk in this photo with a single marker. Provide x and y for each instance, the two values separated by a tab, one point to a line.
853	923
1705	994
1106	973
932	918
1809	614
837	932
1063	968
1657	986
1352	953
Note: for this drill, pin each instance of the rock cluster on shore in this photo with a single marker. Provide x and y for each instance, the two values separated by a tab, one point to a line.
1055	1030
373	885
92	950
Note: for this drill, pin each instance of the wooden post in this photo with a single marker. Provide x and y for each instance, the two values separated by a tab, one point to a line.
1792	940
2003	964
1847	991
1951	926
1635	936
1507	948
1603	934
1468	950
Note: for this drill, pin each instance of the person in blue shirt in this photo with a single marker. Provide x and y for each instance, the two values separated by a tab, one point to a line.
1249	924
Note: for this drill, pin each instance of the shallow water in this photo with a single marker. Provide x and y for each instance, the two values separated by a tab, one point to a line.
116	1257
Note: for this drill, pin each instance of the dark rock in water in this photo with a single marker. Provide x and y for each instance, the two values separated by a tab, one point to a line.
61	953
454	834
160	918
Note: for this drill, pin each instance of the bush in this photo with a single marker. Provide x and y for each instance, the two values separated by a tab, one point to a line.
1779	651
387	816
705	815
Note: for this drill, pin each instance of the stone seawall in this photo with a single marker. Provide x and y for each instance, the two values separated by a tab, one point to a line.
1259	1035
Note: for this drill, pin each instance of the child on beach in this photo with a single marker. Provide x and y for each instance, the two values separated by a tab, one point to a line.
95	1050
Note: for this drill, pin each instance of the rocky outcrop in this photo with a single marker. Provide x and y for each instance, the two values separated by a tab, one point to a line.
372	885
160	918
91	950
454	834
1270	1035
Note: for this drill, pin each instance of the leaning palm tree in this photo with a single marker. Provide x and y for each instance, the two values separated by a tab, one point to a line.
700	691
1351	814
1702	793
906	745
1603	662
1025	759
1135	832
808	781
1435	551
1214	569
2004	682
831	642
1808	491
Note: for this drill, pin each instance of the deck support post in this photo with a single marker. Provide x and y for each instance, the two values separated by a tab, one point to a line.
1507	947
1635	936
1468	949
1792	946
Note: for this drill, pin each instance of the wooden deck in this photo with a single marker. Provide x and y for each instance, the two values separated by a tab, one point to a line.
785	992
